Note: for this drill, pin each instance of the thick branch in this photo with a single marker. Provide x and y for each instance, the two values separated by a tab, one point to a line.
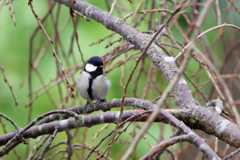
100	118
204	118
68	124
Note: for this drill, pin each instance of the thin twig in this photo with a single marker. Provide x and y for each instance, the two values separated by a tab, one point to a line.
37	146
232	154
10	120
76	37
203	33
70	148
112	7
12	12
235	7
10	87
51	44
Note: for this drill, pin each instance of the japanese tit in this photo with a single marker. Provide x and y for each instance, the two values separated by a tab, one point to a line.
92	84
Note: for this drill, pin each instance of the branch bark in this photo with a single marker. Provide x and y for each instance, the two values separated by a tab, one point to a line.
204	118
106	117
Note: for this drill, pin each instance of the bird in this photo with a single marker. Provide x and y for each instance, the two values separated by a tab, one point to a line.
92	83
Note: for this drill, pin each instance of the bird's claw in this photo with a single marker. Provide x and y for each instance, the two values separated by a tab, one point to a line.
85	107
102	100
97	103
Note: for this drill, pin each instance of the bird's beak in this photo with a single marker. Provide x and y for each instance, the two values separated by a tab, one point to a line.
101	66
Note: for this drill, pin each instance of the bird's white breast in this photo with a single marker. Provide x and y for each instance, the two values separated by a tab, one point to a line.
82	81
100	87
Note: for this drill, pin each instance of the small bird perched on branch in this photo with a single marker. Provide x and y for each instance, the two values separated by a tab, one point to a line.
92	84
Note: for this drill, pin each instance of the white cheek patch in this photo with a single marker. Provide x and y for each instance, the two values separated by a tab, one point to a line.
90	67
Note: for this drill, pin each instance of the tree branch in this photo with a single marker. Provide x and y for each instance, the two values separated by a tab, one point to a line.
204	118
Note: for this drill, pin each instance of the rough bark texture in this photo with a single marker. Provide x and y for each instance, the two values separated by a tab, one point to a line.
204	118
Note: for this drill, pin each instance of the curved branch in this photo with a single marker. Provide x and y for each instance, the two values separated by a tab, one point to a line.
108	117
204	118
162	146
107	105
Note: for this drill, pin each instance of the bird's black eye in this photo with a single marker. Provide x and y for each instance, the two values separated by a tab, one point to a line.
95	66
101	66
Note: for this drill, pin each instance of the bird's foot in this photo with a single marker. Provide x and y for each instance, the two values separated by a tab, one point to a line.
101	100
97	103
85	107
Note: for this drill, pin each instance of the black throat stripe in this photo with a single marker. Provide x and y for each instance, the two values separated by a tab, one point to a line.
89	90
94	75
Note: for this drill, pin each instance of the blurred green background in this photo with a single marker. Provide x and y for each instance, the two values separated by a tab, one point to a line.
14	58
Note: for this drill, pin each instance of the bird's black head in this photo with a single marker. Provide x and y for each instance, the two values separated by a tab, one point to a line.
94	66
96	61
